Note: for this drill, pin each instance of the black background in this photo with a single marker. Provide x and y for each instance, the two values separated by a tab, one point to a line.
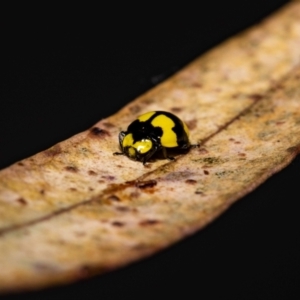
64	71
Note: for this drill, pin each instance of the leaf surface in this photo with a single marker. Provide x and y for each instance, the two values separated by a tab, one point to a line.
88	211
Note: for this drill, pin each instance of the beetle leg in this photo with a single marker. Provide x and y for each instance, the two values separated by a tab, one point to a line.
121	138
195	146
118	153
149	154
164	151
185	146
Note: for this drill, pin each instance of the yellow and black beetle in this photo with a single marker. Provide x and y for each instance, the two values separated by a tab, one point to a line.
151	132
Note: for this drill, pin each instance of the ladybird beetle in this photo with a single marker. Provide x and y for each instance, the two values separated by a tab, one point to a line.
151	132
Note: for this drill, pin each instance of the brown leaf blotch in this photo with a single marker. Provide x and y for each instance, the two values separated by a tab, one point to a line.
134	194
192	124
108	125
96	131
256	97
191	181
42	267
197	85
294	149
85	271
241	154
71	169
134	109
146	184
148	101
114	198
149	222
117	224
123	208
53	151
234	96
22	201
108	177
92	173
175	176
147	166
79	233
212	160
199	193
176	109
277	86
202	151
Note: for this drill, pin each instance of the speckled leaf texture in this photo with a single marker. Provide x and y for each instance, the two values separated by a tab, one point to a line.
87	211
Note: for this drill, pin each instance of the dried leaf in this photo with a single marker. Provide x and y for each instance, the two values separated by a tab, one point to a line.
87	211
